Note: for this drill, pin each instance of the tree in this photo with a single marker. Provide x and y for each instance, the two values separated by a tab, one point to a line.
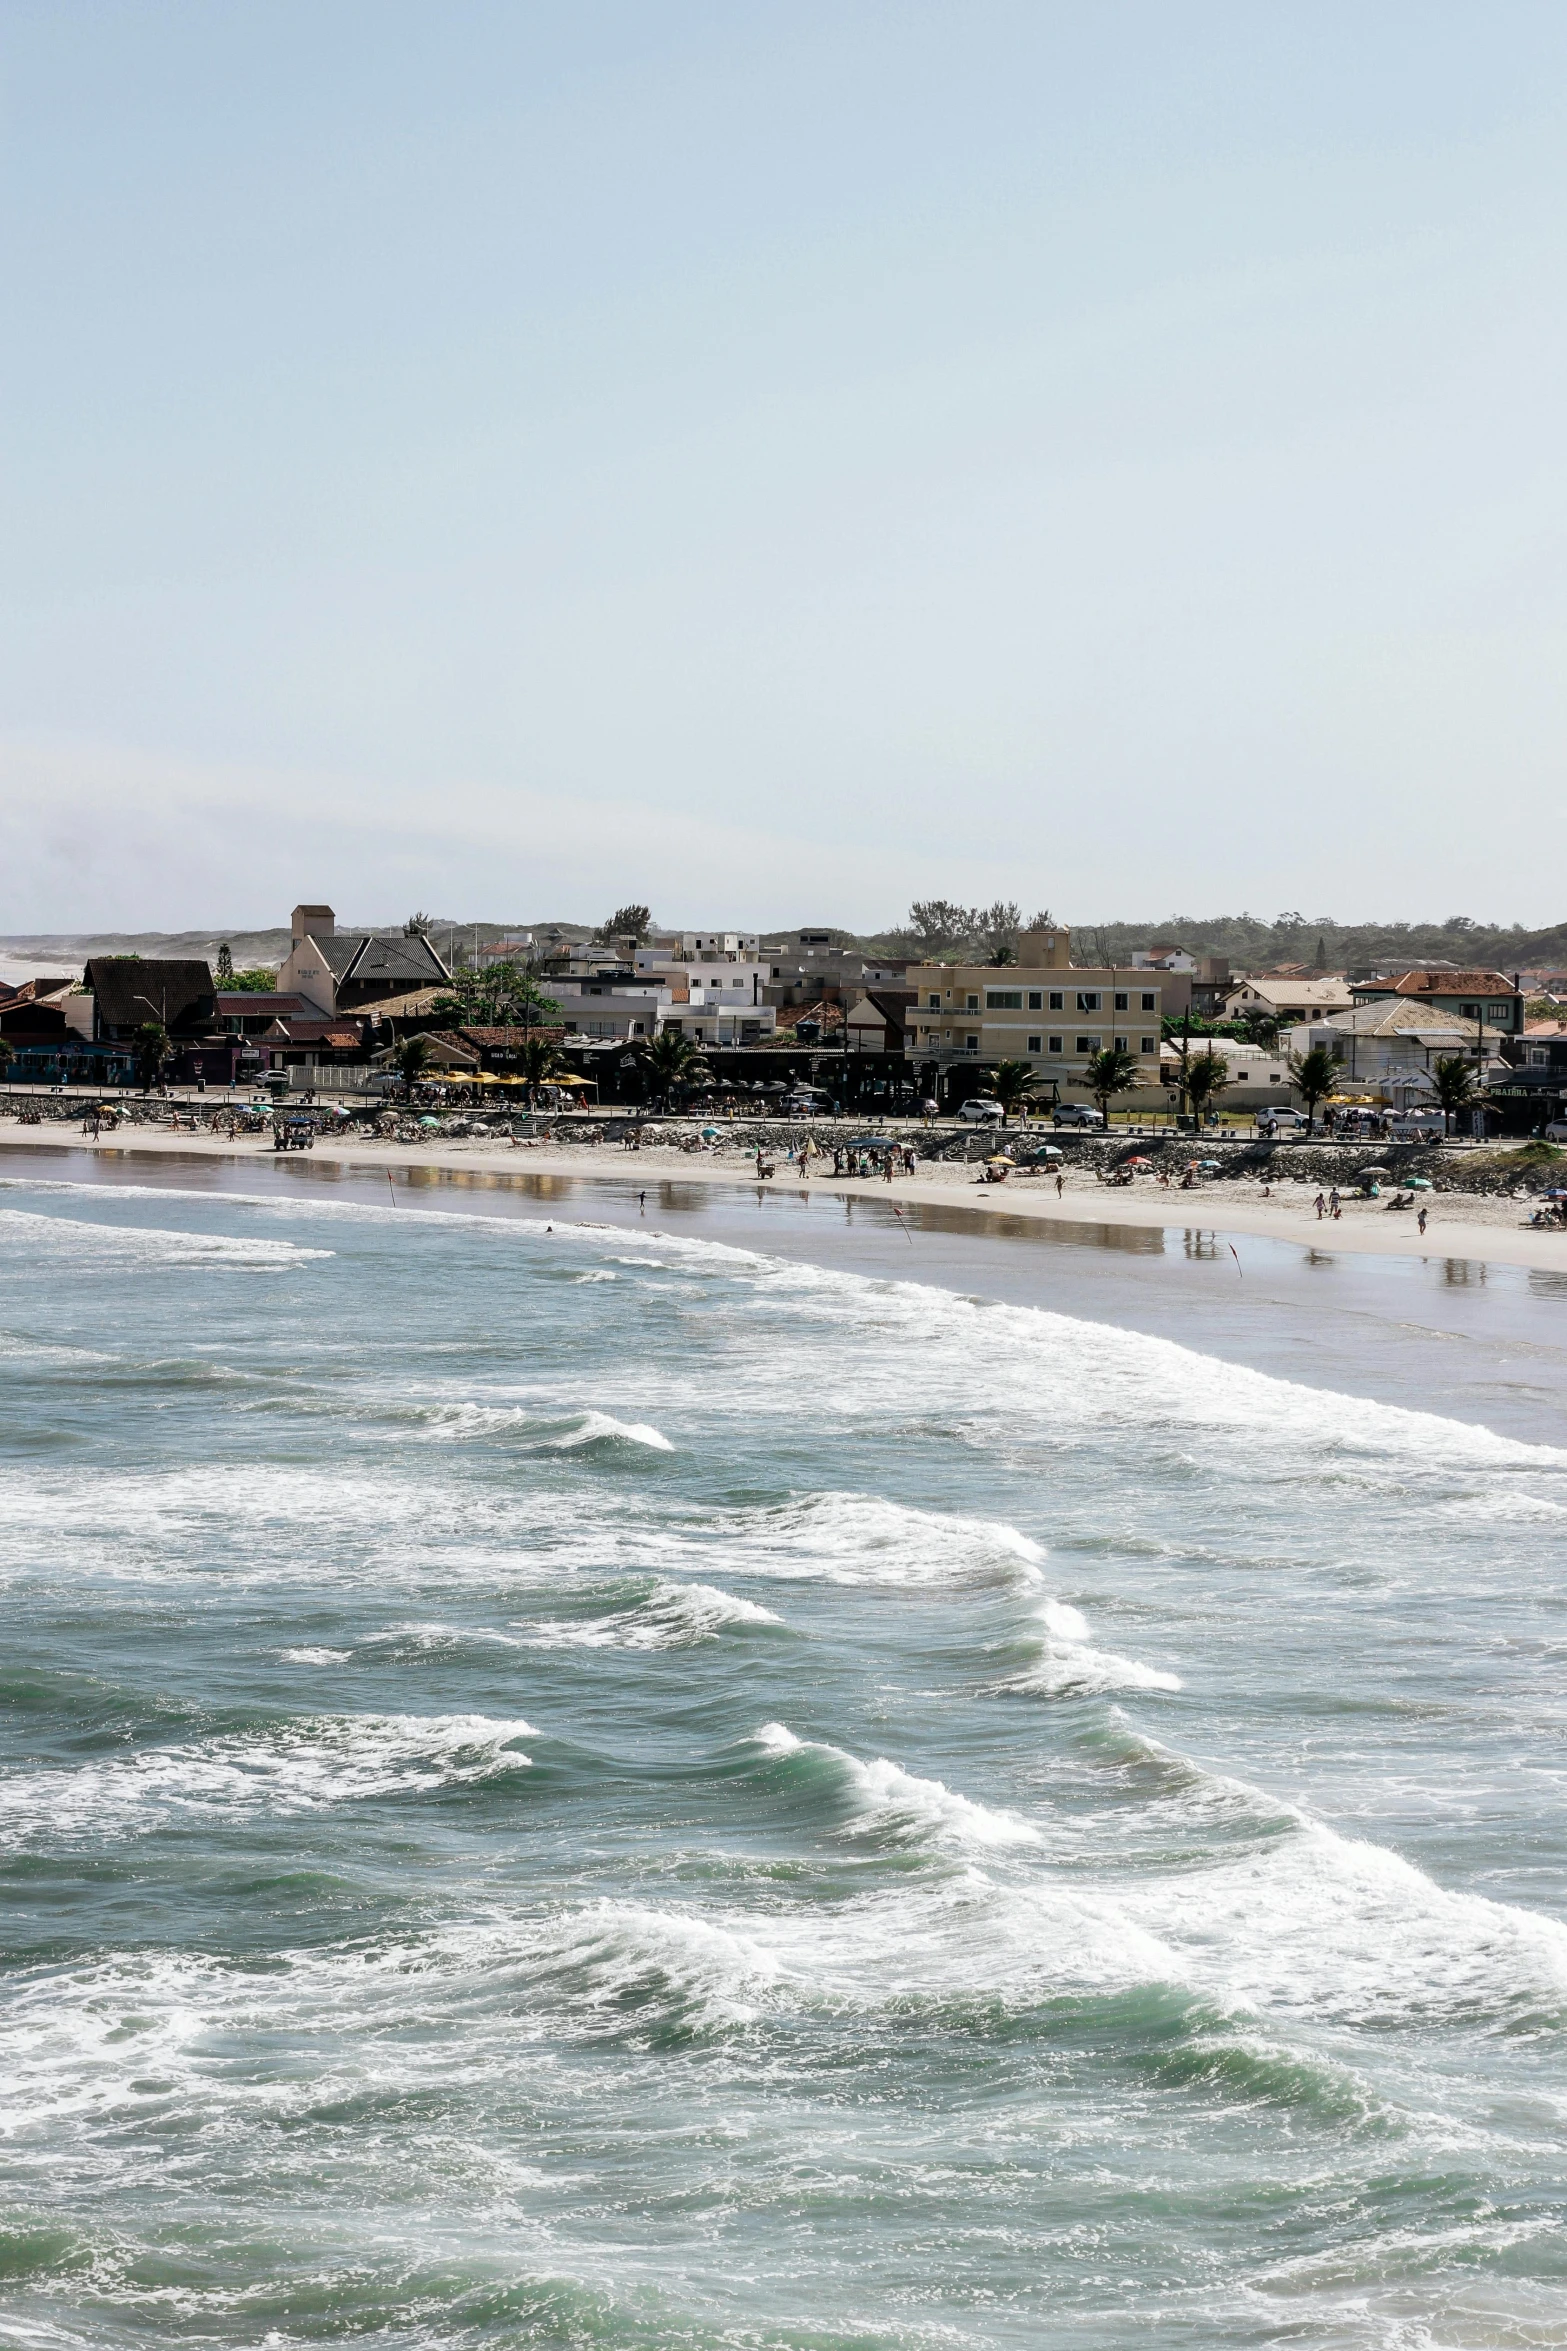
1012	1082
7	1055
673	1059
937	925
1204	1077
258	981
1112	1070
627	922
539	1061
416	925
413	1057
225	966
1453	1084
1314	1076
999	927
152	1053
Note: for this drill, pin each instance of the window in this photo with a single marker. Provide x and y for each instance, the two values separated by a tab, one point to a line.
1539	1057
1056	1000
1088	1001
1033	1046
935	1002
1147	1045
971	1044
1055	1044
1121	1000
1468	1011
1149	999
972	1004
1003	999
1499	1011
1036	1002
1120	1044
1085	1044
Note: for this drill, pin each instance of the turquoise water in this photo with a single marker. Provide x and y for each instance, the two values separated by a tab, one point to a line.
602	1787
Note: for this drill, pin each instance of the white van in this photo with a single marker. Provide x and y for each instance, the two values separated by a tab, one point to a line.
1078	1114
1281	1122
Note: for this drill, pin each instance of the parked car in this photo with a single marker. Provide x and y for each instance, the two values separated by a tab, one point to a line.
1078	1114
979	1108
1556	1130
1281	1122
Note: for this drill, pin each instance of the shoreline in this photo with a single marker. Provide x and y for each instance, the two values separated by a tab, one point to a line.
1460	1226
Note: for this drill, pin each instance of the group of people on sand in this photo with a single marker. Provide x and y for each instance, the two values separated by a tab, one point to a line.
1331	1206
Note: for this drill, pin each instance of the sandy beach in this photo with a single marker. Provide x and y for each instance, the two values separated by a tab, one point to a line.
1458	1224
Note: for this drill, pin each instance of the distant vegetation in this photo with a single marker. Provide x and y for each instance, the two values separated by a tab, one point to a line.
1253	943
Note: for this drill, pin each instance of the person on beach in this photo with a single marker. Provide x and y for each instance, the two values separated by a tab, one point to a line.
642	1204
1335	1204
1320	1205
1421	1219
1060	1184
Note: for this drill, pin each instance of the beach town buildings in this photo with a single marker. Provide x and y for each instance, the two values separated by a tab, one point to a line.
1044	1010
351	971
1287	997
1387	1047
1488	998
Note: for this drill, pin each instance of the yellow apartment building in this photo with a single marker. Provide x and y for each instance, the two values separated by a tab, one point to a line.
1042	1009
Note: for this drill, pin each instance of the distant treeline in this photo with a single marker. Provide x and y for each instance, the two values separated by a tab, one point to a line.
1251	943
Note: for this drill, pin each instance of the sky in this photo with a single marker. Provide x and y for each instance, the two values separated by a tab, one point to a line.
777	462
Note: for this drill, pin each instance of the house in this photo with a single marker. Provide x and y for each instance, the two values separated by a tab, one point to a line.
1488	998
1163	955
1258	1080
810	973
877	1021
1387	1047
1042	1009
130	991
611	1000
355	971
249	1013
1287	997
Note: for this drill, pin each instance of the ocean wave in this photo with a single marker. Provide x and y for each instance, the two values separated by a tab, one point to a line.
881	1799
598	1428
147	1245
297	1767
859	1538
1066	1664
671	1616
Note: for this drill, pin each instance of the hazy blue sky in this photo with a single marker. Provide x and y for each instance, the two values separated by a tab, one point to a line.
778	461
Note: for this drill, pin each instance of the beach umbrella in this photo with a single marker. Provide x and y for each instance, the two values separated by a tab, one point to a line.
1379	1175
429	1122
1417	1183
711	1134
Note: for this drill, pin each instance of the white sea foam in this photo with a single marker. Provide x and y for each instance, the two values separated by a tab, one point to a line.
598	1427
147	1245
1068	1665
898	1805
856	1538
297	1767
672	1616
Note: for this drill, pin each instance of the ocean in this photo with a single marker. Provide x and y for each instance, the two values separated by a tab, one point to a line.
596	1775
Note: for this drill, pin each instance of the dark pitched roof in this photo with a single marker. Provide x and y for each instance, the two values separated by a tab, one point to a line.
1434	981
33	991
131	990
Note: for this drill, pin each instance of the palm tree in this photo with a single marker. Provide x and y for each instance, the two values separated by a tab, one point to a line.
5	1056
1114	1069
1012	1082
539	1062
152	1053
1204	1077
413	1057
1314	1076
673	1059
1453	1084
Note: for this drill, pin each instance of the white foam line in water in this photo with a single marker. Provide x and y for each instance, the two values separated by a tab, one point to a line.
1069	1665
597	1427
298	1767
899	1804
673	1616
152	1245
